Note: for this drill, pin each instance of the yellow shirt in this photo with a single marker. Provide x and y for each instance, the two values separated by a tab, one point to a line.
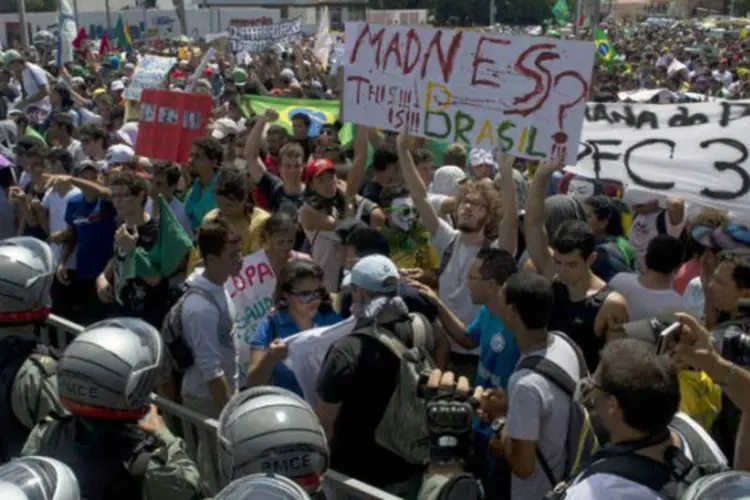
700	398
249	227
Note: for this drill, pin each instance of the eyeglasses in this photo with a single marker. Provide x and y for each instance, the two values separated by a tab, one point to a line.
309	296
585	389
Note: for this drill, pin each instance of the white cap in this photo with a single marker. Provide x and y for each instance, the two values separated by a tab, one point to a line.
287	74
117	85
119	154
481	156
224	127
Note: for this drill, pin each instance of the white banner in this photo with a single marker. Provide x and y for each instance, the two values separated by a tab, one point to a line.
696	152
308	349
252	293
526	95
151	73
255	39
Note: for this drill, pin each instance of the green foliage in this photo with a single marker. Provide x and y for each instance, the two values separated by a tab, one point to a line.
11	6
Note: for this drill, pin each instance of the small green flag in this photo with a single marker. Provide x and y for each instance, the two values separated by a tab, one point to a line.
122	34
171	246
561	12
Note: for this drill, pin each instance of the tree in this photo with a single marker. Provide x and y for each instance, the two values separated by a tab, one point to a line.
11	6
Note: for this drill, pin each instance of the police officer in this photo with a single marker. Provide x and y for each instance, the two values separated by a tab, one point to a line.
271	430
28	385
263	486
113	439
38	478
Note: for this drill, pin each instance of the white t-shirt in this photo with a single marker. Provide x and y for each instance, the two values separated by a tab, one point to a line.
538	411
644	303
644	229
56	206
453	283
178	209
75	149
34	80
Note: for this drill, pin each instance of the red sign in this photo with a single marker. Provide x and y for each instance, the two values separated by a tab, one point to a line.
169	121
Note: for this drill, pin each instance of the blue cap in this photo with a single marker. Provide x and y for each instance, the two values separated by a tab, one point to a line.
374	273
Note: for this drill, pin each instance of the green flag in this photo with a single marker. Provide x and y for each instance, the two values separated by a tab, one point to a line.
561	12
171	246
122	34
319	111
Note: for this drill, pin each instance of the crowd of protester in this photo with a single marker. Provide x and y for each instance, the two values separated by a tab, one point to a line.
539	312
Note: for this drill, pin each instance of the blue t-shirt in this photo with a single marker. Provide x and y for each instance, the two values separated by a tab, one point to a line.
280	326
498	354
94	225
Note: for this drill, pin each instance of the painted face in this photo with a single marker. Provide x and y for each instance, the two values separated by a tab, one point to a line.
402	214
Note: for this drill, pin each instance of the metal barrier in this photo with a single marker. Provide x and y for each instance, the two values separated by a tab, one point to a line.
338	486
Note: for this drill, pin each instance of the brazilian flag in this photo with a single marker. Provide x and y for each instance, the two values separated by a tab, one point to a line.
604	48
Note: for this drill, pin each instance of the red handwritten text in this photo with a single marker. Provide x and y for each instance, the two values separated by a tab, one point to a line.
248	276
408	58
542	78
479	60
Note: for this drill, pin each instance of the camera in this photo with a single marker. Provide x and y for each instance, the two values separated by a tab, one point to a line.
732	340
649	329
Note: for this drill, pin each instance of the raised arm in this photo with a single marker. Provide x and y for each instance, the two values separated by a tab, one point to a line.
357	174
417	189
255	166
507	235
536	236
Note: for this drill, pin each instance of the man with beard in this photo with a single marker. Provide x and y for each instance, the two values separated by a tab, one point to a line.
478	209
206	157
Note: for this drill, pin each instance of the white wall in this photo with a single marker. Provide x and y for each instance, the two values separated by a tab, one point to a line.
162	23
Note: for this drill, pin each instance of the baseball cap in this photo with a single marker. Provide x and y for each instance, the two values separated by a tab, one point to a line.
735	235
481	156
374	273
11	56
318	167
119	154
287	74
81	167
447	180
239	76
224	127
117	85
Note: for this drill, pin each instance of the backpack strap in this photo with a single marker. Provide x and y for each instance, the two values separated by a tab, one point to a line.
661	222
562	379
137	466
446	257
654	475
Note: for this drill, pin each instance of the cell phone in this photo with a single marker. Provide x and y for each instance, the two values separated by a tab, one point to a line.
669	333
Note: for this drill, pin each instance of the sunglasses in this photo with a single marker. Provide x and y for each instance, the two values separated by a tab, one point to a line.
310	296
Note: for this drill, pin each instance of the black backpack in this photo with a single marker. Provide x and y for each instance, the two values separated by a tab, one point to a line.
112	467
14	351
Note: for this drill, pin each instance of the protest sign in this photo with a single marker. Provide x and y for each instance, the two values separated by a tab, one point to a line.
252	292
259	38
696	152
168	123
150	73
307	350
524	95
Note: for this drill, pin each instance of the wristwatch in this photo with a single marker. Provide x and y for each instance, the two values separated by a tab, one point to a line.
497	425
